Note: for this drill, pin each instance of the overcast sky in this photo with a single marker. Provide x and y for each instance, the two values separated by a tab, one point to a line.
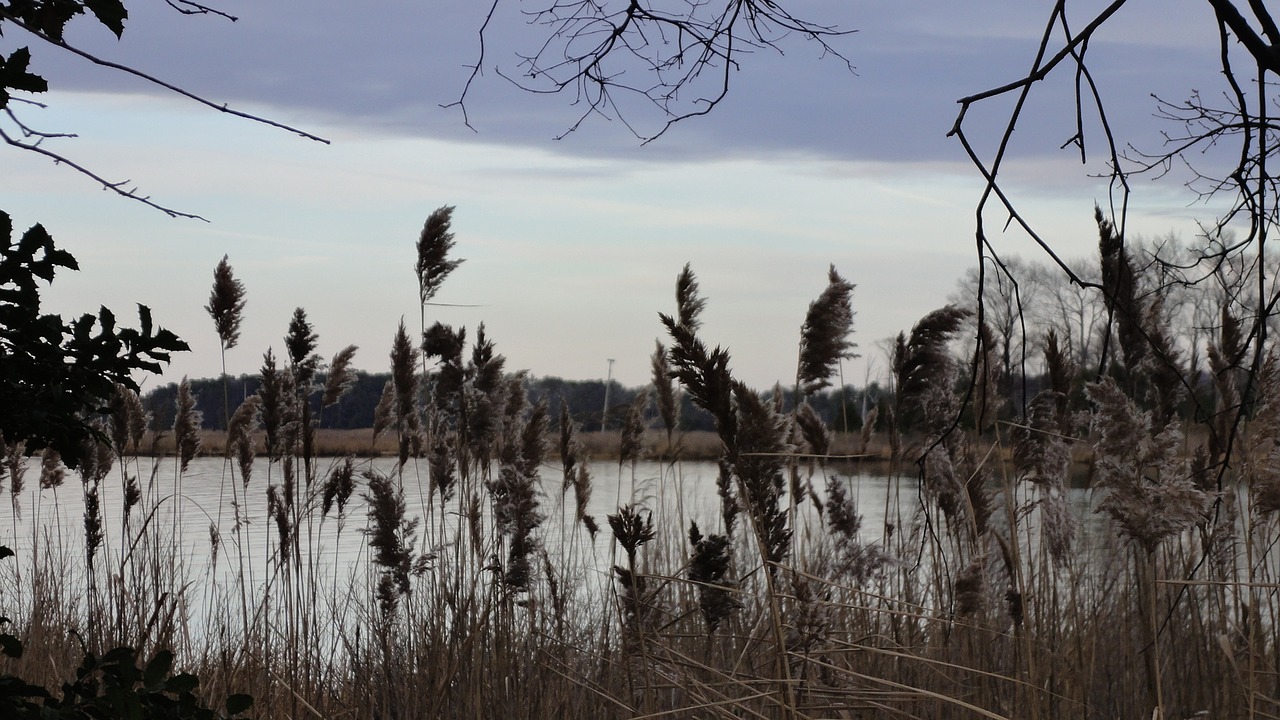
572	245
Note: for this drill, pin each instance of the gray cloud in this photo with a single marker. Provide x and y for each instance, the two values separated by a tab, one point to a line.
387	67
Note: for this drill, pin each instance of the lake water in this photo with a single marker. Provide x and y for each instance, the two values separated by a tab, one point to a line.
193	510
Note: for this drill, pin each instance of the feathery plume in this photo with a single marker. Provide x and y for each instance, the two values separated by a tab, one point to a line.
709	567
15	462
922	361
301	344
52	474
434	243
664	389
824	337
339	486
226	304
390	537
341	378
689	304
813	430
403	359
186	425
1149	495
632	443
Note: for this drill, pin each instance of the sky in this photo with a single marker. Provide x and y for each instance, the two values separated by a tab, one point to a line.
572	245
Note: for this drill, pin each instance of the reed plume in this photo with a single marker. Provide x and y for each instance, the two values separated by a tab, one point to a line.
186	425
633	427
632	528
757	462
856	561
52	474
276	393
128	419
382	412
391	539
1120	292
226	304
338	487
1041	455
434	244
813	431
689	304
340	378
300	341
710	567
577	475
240	435
922	362
15	463
665	393
404	357
824	337
1149	495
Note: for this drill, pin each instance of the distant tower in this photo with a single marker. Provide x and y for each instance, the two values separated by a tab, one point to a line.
608	384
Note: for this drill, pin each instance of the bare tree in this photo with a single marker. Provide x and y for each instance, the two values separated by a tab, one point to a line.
676	56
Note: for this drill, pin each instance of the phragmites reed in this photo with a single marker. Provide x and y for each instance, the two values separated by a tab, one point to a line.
988	398
689	304
15	463
856	561
1149	494
226	304
665	394
709	567
442	461
434	244
1120	296
922	362
633	527
868	429
443	342
703	373
382	412
300	341
128	419
632	442
186	425
577	474
338	486
1042	456
1224	366
824	337
514	495
276	391
757	462
52	474
813	430
341	377
240	435
391	538
404	379
1262	459
971	588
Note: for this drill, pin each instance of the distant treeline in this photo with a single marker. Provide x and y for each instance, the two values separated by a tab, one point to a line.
586	399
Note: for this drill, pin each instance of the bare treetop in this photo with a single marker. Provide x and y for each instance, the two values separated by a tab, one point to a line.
673	55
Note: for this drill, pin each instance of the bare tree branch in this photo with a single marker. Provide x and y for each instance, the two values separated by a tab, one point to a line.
677	61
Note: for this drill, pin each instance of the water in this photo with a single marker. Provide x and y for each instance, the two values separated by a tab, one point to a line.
197	514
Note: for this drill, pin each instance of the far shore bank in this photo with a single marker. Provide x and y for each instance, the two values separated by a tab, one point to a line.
599	445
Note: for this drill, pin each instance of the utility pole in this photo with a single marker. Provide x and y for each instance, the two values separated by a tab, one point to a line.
608	384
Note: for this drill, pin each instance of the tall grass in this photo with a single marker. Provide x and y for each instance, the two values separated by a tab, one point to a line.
986	592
